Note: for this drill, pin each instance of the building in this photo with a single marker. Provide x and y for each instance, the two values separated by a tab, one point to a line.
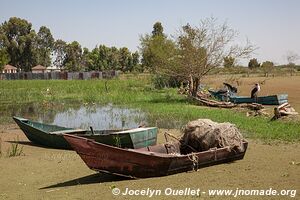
8	69
39	69
53	69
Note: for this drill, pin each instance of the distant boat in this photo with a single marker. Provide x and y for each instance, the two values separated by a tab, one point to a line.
51	135
152	161
264	100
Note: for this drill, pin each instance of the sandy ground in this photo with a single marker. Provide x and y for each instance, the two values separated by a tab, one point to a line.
42	173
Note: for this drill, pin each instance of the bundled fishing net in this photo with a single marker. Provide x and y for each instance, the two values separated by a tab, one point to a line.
203	134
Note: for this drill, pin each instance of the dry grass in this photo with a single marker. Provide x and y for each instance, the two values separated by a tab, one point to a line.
15	150
0	147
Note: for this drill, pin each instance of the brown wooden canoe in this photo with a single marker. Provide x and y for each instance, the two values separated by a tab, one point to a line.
152	161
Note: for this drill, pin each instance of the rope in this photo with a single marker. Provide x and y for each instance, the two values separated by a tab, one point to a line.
215	152
194	158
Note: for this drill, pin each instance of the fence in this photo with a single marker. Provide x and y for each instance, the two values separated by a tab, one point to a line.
59	75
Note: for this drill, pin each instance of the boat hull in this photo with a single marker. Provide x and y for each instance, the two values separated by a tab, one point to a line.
264	100
51	135
144	163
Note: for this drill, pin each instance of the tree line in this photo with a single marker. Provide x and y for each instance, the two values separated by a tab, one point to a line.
24	48
187	56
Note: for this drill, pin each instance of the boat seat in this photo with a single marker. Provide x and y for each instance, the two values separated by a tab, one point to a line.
69	131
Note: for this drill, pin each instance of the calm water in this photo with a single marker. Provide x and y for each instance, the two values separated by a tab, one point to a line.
97	116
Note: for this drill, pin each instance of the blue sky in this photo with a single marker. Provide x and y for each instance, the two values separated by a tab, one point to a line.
272	25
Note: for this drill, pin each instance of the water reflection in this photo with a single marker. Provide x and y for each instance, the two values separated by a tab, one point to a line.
99	117
76	115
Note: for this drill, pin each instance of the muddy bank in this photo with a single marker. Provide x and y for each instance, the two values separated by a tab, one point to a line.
42	173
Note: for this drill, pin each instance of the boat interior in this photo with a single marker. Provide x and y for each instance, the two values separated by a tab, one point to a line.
53	129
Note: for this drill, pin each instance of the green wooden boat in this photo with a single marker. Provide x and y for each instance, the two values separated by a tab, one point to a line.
264	100
51	135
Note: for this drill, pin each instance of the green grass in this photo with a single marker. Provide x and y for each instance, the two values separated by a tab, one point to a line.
137	92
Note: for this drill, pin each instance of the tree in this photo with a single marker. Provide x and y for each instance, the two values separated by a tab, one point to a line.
73	57
17	37
253	63
103	58
44	46
228	62
157	29
135	62
267	67
4	58
93	59
198	50
59	53
291	58
156	49
100	58
85	58
128	61
125	59
113	59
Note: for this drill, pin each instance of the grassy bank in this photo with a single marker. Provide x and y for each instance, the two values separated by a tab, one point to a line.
136	91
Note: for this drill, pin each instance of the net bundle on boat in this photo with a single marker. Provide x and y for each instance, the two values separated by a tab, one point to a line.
203	134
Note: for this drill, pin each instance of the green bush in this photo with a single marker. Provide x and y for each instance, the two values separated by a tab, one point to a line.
253	63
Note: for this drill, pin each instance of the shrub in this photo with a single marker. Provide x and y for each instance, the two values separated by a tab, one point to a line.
253	63
164	81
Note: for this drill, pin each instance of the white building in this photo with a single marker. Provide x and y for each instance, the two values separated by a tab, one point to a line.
9	69
38	69
53	69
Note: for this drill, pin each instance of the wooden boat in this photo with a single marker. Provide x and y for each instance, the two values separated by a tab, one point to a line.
51	135
152	161
221	96
264	100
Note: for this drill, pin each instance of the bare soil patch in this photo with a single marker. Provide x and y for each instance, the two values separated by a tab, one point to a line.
43	173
